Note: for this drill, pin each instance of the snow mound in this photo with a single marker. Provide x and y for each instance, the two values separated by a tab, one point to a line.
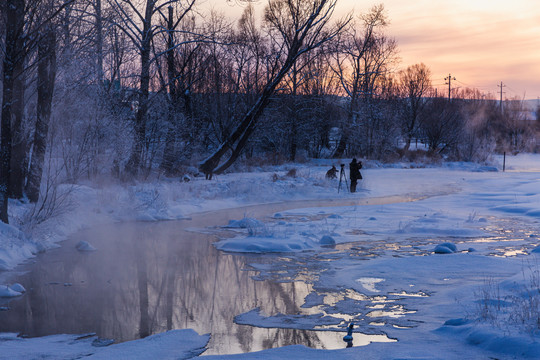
327	240
7	292
245	223
18	288
512	345
264	245
84	246
445	248
457	322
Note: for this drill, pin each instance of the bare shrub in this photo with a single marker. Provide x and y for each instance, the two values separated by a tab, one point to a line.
489	303
527	307
520	309
54	199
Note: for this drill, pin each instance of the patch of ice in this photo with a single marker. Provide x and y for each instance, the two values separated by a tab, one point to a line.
303	322
369	283
264	245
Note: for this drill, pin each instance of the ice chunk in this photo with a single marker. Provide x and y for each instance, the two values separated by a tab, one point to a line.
85	246
18	287
7	292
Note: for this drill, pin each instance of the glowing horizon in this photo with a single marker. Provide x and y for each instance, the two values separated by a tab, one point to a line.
480	42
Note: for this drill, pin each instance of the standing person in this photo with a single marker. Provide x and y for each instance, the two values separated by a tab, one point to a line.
354	173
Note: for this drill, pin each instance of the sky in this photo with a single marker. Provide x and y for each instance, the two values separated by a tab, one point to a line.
479	42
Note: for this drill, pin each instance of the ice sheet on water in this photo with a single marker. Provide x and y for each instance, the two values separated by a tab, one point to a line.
304	322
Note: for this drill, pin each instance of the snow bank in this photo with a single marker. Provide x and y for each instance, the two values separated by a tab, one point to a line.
174	344
15	247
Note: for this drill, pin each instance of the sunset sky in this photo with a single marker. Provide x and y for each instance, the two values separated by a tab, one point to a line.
479	42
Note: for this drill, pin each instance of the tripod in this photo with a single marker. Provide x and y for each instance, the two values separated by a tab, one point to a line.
343	176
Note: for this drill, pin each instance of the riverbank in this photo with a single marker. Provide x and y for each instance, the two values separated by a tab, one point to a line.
461	203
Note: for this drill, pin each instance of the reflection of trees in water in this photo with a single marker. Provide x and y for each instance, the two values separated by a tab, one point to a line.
292	336
142	284
147	278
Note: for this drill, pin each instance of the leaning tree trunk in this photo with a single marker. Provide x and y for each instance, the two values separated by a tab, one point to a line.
45	88
310	28
243	131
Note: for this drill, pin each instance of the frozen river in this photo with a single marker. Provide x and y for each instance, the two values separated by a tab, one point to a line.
149	277
384	273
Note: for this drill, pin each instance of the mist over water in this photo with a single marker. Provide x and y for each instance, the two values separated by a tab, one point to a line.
149	277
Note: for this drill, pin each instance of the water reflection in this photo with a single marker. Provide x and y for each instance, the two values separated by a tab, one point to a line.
147	278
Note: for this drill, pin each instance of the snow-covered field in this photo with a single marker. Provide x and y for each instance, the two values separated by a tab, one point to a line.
443	259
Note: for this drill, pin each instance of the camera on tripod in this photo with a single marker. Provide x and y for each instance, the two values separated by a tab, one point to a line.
342	176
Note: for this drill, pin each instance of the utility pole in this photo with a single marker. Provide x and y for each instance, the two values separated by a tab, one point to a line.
500	102
448	82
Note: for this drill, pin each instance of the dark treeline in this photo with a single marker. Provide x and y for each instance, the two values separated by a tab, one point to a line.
135	88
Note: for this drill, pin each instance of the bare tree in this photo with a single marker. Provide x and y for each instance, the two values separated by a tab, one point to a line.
23	22
181	46
443	124
141	28
363	55
297	27
516	130
414	84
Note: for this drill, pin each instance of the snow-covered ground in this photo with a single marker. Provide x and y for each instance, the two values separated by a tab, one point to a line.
400	276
